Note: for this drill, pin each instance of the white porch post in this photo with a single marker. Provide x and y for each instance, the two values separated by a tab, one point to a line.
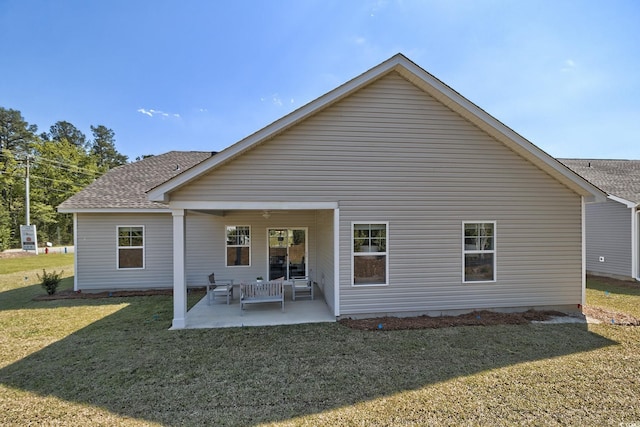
179	273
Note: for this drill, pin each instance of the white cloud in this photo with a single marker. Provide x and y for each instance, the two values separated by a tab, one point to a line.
276	100
151	113
569	65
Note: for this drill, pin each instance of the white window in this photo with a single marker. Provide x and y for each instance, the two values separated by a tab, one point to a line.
130	247
238	245
370	257
479	251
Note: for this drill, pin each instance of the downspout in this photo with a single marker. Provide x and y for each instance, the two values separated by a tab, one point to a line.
336	262
635	218
75	252
584	251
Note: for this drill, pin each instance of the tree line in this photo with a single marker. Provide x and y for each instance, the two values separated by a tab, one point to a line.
61	162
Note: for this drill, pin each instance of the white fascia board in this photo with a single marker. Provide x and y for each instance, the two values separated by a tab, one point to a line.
114	210
625	202
271	206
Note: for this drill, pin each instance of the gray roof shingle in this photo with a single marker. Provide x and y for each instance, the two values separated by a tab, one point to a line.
125	187
620	178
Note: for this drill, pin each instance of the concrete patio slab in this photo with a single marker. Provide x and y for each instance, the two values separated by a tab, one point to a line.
221	315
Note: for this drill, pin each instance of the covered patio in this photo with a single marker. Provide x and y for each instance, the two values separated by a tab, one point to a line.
220	315
244	244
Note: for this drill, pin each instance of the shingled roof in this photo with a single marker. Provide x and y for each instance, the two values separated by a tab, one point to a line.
125	187
620	178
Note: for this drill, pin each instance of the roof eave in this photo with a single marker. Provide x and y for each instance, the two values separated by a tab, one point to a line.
114	210
627	203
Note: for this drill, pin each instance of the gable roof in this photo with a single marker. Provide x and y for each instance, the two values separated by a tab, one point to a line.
125	187
423	80
620	178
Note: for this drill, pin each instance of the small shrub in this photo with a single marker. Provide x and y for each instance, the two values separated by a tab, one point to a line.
50	281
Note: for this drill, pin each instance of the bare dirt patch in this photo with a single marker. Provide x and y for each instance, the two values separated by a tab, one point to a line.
609	316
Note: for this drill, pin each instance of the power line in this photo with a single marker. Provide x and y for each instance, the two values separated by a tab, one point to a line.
53	179
67	165
55	163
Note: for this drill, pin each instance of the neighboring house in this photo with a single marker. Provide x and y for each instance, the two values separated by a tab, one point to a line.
613	227
393	192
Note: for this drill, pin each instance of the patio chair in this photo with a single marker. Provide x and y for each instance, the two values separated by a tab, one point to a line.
222	288
301	286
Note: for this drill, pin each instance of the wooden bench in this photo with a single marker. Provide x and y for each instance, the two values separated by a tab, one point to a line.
252	293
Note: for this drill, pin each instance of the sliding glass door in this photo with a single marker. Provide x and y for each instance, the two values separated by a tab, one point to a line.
287	253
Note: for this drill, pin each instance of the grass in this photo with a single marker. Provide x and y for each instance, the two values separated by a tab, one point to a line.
614	295
113	362
34	262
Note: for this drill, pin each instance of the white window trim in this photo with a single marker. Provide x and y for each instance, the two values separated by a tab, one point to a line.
226	245
354	254
494	251
143	247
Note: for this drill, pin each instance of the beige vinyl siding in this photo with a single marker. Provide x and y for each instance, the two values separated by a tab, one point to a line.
392	153
324	274
96	252
609	236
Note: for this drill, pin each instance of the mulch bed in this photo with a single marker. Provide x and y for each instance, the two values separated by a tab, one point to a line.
476	318
95	295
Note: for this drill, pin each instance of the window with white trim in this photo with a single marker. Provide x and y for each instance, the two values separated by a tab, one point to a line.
130	247
479	251
238	245
370	256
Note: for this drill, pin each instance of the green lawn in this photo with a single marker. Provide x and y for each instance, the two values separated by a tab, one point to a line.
35	262
113	362
614	295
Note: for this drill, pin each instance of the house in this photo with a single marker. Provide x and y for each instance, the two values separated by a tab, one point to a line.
393	192
612	228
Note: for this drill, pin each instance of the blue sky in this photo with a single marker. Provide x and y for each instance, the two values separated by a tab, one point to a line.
201	75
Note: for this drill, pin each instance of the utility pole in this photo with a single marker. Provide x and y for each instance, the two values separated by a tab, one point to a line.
26	197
